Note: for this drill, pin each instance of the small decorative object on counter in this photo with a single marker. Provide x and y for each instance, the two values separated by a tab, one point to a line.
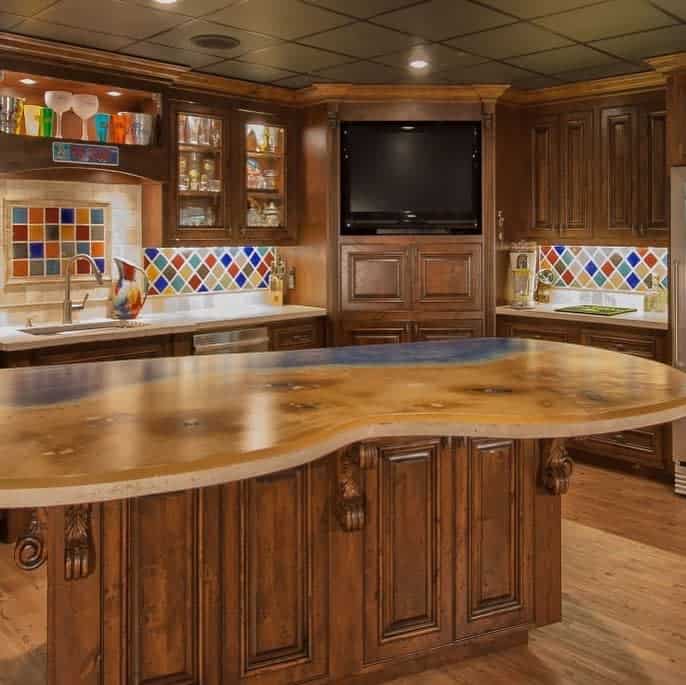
128	298
522	274
655	298
276	281
546	280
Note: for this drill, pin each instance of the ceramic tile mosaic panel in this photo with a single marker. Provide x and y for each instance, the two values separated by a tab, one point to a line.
606	268
181	271
42	236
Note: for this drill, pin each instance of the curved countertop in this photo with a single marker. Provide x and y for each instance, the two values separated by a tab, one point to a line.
113	430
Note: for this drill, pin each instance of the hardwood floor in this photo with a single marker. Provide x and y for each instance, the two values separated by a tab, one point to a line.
624	588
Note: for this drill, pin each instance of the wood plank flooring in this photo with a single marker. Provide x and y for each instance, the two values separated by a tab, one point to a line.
624	587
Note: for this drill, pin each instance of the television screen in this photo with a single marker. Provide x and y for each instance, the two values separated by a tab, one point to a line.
411	177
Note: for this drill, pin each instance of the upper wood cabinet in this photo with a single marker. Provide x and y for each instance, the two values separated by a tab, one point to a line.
561	165
233	178
676	106
633	203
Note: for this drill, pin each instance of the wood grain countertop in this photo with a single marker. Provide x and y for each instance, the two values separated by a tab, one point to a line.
103	431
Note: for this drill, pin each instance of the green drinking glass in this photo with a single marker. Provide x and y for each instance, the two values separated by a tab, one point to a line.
47	116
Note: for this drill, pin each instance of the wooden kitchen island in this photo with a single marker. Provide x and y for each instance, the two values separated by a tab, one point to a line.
346	514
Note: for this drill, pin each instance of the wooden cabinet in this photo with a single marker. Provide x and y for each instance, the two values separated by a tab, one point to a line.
364	332
408	585
561	184
647	447
299	335
458	329
634	193
233	177
676	107
495	535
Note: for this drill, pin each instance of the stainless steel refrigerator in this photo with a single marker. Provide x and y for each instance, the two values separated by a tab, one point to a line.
677	310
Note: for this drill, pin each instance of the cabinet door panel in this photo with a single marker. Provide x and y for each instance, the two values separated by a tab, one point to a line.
448	277
618	215
407	547
276	586
545	137
576	166
654	174
375	277
495	535
448	330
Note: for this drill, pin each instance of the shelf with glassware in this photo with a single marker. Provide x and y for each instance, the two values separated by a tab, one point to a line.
200	201
36	111
267	184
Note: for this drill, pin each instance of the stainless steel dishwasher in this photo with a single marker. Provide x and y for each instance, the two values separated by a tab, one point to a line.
232	342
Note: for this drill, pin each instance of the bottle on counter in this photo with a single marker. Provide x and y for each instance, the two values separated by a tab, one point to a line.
651	296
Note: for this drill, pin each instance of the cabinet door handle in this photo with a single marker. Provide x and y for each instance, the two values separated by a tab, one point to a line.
676	314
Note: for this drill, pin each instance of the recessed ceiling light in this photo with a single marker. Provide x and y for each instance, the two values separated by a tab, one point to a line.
28	82
114	93
166	2
408	128
215	41
419	64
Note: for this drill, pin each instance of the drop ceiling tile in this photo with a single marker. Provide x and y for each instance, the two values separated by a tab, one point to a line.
180	37
608	19
438	56
67	34
360	72
536	82
488	72
363	8
562	59
508	41
110	16
603	71
647	44
441	19
295	82
361	40
283	18
190	8
247	72
7	21
25	8
526	9
295	57
164	53
676	7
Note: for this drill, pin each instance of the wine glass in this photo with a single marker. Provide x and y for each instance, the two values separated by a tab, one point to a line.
60	101
85	106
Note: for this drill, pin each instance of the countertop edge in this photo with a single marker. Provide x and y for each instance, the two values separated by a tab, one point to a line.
624	320
64	490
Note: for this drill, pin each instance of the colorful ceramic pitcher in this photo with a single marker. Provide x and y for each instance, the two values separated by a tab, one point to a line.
129	298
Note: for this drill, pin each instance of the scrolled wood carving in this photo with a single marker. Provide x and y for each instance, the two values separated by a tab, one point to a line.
30	551
78	556
557	468
350	507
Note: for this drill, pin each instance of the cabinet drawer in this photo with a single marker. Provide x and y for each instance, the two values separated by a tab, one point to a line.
639	345
537	331
299	336
643	446
114	350
375	333
447	330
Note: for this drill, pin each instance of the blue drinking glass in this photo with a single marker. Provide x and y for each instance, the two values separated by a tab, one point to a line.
102	126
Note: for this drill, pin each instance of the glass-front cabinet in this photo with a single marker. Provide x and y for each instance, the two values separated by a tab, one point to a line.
232	178
201	178
267	214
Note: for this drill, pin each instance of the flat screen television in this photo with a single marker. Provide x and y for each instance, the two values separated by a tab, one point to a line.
410	177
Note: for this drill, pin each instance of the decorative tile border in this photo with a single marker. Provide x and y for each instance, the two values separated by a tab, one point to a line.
41	236
605	268
186	271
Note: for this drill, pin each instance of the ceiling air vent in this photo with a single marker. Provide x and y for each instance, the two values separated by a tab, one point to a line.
214	41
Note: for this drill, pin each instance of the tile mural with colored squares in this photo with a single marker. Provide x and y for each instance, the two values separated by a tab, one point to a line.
181	271
606	268
42	236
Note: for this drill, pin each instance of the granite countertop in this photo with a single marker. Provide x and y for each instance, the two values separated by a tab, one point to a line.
102	431
639	319
12	339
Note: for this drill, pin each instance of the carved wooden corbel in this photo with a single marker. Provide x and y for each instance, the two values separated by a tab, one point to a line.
557	468
350	507
78	555
30	551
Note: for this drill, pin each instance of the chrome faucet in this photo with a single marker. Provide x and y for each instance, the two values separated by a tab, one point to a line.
68	306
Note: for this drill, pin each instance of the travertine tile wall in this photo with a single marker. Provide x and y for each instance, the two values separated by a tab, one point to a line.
42	301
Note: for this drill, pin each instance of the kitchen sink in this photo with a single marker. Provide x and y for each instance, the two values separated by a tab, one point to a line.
81	327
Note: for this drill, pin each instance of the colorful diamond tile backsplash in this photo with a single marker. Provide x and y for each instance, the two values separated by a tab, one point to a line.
182	271
42	236
606	268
